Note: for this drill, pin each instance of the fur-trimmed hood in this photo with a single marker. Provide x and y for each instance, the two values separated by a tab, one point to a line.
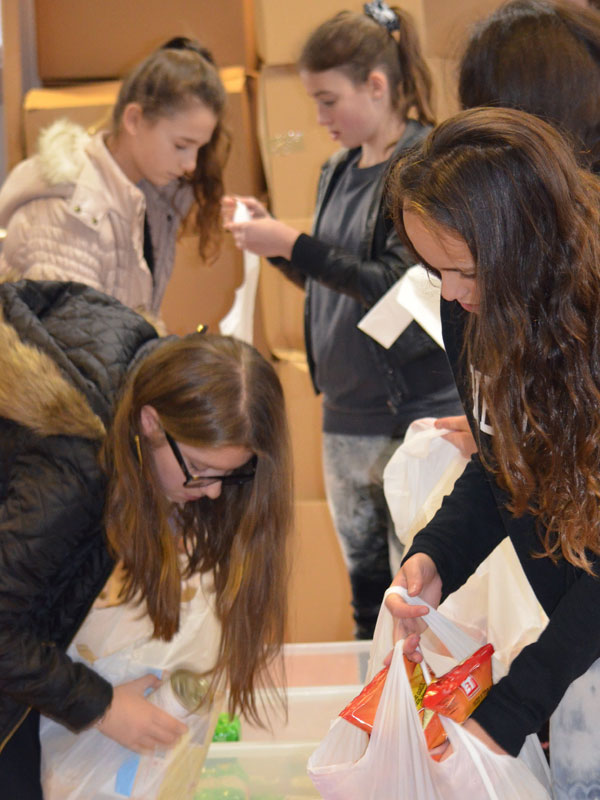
34	393
64	351
51	173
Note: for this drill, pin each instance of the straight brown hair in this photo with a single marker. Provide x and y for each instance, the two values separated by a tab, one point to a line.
208	391
542	57
356	45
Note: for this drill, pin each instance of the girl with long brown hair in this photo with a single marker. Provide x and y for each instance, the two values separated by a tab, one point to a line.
495	204
372	88
106	209
172	470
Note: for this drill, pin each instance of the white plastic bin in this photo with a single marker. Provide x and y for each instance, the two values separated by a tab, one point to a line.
326	663
244	771
311	710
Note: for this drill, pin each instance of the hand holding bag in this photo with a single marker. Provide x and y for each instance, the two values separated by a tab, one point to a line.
394	762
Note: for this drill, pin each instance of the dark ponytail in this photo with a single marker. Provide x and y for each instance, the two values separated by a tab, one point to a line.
356	44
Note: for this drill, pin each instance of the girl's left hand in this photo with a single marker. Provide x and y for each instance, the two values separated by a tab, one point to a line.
478	732
264	236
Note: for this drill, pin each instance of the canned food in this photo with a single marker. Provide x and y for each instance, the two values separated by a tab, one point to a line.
183	693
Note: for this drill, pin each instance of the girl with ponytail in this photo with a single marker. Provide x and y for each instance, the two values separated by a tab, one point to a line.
372	89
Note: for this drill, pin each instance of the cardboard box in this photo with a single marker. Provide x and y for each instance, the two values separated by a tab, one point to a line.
444	72
200	293
305	422
99	39
447	26
292	144
283	302
319	596
91	105
283	26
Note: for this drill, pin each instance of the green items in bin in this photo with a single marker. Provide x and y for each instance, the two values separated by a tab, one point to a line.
228	729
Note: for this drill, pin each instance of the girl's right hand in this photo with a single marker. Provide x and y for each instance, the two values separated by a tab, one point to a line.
254	206
419	576
135	722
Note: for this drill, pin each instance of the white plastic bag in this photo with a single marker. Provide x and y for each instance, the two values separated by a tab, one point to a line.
117	643
239	320
394	762
423	469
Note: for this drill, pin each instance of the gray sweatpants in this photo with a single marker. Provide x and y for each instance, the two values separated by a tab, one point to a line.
353	467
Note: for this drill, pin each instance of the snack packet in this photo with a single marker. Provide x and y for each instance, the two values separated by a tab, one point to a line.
458	693
361	711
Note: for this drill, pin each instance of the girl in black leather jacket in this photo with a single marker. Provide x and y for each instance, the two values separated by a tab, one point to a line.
365	73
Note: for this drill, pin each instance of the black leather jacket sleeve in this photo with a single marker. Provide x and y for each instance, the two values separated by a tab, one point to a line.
365	280
52	565
472	520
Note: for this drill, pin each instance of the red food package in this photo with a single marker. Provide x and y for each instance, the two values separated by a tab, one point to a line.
361	711
458	693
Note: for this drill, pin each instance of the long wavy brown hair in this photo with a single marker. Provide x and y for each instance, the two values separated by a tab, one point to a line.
208	391
356	44
165	83
509	185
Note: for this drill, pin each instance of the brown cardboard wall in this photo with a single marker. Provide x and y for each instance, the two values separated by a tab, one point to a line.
88	105
443	25
444	72
283	27
293	145
304	414
319	597
99	39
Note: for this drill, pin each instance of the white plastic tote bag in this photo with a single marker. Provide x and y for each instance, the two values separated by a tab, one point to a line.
394	762
423	469
117	642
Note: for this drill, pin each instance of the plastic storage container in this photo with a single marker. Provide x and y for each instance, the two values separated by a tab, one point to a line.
322	678
326	663
246	771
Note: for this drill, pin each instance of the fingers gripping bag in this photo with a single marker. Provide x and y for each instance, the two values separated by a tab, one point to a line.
394	762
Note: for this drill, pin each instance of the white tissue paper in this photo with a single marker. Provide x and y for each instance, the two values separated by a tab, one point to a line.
239	320
416	296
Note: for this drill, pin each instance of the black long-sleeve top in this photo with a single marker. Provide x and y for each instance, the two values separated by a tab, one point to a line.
473	519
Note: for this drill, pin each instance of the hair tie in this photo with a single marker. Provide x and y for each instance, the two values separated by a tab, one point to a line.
185	43
383	15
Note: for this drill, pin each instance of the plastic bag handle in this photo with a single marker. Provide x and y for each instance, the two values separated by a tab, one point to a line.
464	642
459	643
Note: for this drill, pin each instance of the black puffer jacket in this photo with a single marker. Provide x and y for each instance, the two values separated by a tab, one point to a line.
64	351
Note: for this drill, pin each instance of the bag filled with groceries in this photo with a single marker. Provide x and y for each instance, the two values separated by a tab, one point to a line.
384	742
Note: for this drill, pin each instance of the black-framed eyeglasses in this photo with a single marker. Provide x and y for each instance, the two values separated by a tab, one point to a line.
245	475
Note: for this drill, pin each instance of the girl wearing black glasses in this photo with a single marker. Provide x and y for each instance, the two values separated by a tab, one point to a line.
172	468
